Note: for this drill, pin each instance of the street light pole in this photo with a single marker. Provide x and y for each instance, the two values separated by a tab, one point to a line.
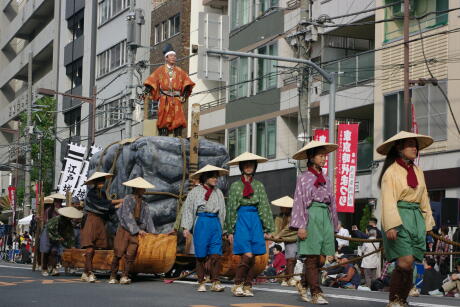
28	131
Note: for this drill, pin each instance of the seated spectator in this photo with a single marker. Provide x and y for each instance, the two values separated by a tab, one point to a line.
384	280
278	263
349	277
443	247
452	283
372	224
370	263
431	278
279	260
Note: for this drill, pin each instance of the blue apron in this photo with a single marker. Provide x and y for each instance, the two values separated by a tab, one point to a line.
249	234
207	235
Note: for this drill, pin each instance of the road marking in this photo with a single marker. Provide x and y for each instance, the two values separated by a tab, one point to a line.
47	281
15	267
263	305
346	297
4	284
15	277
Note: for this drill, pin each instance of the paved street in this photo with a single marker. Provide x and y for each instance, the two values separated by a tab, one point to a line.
19	286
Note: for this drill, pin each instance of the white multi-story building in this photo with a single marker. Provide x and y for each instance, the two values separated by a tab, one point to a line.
26	27
93	53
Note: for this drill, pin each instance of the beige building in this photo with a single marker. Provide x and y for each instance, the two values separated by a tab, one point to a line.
438	50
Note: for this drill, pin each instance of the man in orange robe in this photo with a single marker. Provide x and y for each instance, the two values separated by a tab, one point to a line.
170	86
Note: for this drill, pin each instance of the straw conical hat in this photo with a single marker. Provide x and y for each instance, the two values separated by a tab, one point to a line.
56	196
97	175
48	200
210	168
286	202
423	141
247	156
139	183
302	153
70	212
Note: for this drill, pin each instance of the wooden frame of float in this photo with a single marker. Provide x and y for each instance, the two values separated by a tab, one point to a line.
156	255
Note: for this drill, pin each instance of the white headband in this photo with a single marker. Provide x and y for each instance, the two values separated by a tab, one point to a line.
170	52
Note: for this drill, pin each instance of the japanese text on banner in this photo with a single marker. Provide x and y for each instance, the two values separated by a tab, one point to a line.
347	139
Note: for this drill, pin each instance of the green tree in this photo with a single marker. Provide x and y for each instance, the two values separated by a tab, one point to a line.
44	127
367	214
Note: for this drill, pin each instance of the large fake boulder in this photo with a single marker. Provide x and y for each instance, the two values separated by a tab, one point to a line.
160	161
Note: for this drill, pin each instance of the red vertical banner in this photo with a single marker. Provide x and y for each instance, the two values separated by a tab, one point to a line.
347	156
12	198
322	135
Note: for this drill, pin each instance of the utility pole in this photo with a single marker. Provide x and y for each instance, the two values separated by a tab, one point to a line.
27	203
135	20
407	99
303	118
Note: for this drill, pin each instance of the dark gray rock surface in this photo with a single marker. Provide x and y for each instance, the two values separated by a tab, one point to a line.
159	160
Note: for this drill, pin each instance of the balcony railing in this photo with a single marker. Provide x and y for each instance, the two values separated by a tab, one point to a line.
352	71
212	104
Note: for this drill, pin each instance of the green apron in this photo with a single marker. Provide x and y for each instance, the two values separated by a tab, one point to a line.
320	236
411	234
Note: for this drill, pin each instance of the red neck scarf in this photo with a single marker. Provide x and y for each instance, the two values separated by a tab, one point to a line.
411	177
319	177
247	191
208	192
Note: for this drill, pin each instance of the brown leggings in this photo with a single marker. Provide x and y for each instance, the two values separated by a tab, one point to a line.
214	262
49	260
130	257
310	275
245	272
400	284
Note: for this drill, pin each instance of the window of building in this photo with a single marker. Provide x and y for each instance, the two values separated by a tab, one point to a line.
239	75
111	59
240	13
237	141
167	29
266	70
109	114
75	72
76	23
394	29
431	110
265	5
266	138
73	119
110	8
393	114
157	33
174	25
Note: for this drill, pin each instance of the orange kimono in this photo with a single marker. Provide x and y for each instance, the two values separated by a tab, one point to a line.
169	86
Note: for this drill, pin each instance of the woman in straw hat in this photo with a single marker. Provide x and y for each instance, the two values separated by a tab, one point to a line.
314	215
204	213
285	234
134	220
406	211
249	221
58	233
98	210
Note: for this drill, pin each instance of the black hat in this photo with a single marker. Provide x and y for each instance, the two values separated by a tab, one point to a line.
167	48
